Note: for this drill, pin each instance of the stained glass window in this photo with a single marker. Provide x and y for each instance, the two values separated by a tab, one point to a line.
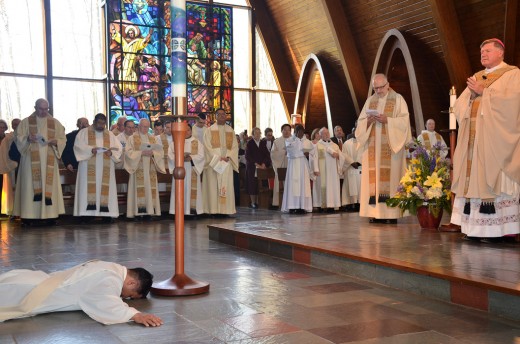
209	59
139	59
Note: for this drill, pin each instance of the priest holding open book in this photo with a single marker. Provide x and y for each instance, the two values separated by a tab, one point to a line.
97	151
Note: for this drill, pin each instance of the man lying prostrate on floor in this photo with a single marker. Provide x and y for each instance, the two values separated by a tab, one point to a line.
95	287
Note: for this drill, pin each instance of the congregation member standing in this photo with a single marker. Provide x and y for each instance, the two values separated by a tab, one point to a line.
143	159
383	129
327	166
279	160
297	195
40	139
68	158
193	165
221	160
257	157
97	150
486	163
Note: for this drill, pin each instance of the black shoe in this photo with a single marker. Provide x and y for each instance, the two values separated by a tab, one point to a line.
470	238
107	220
26	223
391	221
253	206
491	240
273	207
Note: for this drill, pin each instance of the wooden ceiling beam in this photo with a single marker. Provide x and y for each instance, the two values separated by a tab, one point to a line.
510	30
275	50
455	54
348	53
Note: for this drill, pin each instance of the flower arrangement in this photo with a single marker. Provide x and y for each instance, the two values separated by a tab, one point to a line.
426	181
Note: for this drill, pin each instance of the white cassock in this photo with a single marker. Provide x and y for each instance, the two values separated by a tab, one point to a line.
279	160
326	190
24	204
123	139
217	181
297	191
83	153
198	133
7	169
352	176
193	168
430	138
132	158
167	163
95	288
398	133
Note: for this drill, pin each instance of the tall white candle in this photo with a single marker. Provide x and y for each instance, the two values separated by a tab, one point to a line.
453	98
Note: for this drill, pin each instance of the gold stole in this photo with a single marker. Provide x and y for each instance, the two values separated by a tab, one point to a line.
165	145
488	81
139	176
386	153
215	143
427	142
91	173
36	162
193	194
323	173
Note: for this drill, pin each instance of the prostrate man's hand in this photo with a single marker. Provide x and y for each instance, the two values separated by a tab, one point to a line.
147	319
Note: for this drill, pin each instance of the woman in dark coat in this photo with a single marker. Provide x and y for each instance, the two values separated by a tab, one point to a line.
257	157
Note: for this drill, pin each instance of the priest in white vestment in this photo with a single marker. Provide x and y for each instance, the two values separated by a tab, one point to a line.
279	160
40	139
166	139
123	139
486	163
297	195
352	174
95	287
7	170
193	166
221	160
143	160
200	128
327	166
382	131
97	151
429	138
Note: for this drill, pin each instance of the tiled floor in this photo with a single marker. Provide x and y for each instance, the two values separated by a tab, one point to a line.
253	298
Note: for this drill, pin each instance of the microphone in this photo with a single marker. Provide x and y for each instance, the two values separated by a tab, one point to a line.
484	77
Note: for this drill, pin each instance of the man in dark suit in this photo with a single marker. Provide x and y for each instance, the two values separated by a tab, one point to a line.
68	157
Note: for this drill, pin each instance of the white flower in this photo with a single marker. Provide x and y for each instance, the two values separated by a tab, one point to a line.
416	191
434	193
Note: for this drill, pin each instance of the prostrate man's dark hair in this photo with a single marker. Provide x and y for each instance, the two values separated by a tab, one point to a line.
145	279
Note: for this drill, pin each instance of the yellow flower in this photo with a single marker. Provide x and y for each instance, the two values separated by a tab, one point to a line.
417	171
433	181
406	178
414	161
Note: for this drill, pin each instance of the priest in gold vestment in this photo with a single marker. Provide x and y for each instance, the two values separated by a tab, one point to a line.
486	163
221	160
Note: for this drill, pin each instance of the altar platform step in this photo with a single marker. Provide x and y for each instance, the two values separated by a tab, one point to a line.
429	263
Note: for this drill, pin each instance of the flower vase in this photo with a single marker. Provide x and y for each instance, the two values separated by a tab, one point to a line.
426	218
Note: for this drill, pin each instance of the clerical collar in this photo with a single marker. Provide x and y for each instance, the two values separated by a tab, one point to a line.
500	65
